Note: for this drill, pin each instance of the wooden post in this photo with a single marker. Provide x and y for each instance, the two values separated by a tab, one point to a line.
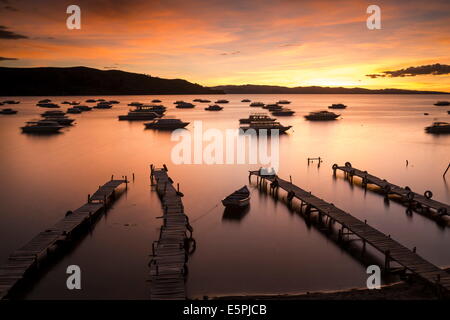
178	187
126	182
387	254
290	178
89	198
112	177
133	176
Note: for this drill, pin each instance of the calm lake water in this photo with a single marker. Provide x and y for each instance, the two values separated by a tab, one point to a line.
270	249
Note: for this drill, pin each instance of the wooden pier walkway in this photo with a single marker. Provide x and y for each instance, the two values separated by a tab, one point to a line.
26	260
412	198
170	251
391	249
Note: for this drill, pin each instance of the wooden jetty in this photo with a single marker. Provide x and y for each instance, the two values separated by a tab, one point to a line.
391	249
413	199
170	252
24	261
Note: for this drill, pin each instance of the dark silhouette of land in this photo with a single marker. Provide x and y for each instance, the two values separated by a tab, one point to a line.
51	81
89	81
264	89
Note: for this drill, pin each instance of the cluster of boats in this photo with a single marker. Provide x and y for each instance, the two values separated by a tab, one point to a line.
76	107
51	122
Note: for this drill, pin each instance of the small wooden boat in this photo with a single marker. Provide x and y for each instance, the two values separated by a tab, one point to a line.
257	104
239	198
8	111
442	103
84	108
53	113
246	100
222	101
166	124
103	105
45	101
156	101
114	102
11	102
185	105
90	100
283	102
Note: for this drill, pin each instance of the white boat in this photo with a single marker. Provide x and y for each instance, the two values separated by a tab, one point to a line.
239	198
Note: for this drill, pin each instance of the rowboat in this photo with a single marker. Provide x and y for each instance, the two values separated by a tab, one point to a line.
239	198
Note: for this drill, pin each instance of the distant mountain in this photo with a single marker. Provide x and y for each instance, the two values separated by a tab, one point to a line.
89	81
262	89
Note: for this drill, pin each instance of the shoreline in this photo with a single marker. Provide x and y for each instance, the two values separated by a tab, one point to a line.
400	290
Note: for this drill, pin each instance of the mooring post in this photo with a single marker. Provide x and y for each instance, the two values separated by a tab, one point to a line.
89	198
133	176
126	182
387	254
178	187
112	177
290	179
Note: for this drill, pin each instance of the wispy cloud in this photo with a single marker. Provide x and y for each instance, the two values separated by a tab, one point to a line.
6	34
431	69
7	59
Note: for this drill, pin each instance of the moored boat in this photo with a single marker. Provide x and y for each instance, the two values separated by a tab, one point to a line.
103	105
283	112
91	101
322	116
283	102
141	113
214	107
257	104
53	113
337	106
74	110
166	124
84	108
438	127
8	111
11	102
257	117
246	100
442	103
48	105
135	104
185	105
114	102
45	101
222	101
156	101
239	198
64	121
265	125
41	126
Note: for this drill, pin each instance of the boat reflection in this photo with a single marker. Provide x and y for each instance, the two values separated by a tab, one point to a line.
235	214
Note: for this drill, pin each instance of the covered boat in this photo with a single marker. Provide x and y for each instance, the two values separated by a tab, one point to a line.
254	117
239	198
265	125
322	116
166	124
438	127
214	107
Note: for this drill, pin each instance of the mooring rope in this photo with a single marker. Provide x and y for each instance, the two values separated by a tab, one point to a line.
205	214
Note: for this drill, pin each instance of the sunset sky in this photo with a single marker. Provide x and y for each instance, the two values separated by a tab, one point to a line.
289	43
